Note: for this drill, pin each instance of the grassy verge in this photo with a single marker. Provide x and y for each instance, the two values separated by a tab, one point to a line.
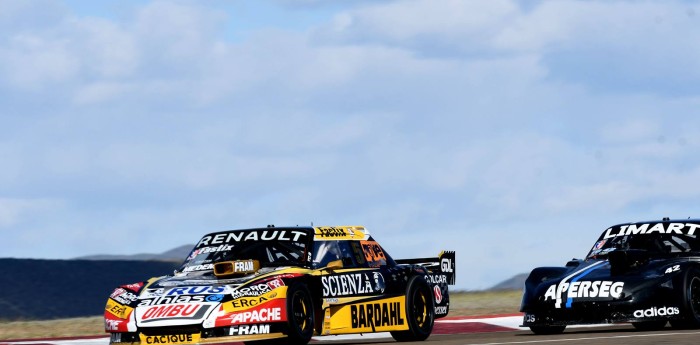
461	304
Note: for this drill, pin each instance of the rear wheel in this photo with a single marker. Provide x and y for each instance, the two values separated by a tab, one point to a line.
547	329
649	325
420	311
691	301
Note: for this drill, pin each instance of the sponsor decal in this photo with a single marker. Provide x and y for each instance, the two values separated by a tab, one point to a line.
436	279
529	318
136	287
174	311
598	245
446	265
207	250
112	325
249	329
352	284
373	315
645	229
174	299
438	294
584	289
250	302
196	290
170	339
373	252
331	232
118	310
255	235
441	310
655	312
205	267
257	315
251	290
123	296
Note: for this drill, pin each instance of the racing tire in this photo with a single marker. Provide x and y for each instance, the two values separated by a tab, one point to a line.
300	315
690	311
545	330
649	325
420	311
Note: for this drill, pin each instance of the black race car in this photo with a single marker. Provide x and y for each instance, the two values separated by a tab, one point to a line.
646	273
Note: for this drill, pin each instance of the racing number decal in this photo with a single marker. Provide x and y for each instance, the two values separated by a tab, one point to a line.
373	253
674	268
357	251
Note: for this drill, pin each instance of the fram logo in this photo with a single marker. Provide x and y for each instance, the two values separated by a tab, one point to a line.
174	311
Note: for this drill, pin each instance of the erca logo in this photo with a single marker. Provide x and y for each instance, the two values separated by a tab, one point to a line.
654	311
446	265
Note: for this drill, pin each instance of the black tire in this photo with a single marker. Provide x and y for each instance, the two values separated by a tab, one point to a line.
690	310
300	314
544	330
649	325
420	311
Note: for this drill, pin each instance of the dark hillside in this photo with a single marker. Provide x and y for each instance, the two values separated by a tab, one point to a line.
48	289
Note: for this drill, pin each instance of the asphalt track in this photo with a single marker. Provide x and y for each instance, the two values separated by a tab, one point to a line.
478	331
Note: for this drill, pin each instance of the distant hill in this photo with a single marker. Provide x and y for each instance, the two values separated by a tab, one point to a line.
176	254
517	282
47	289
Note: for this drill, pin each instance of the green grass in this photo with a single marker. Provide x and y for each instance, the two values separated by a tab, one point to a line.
462	303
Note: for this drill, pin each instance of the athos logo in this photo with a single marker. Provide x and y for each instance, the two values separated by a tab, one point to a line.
438	294
654	311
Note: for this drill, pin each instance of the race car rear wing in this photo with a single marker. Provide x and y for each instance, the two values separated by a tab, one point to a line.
443	264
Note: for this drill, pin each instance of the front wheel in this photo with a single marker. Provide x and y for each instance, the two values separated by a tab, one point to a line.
420	311
300	315
543	330
691	301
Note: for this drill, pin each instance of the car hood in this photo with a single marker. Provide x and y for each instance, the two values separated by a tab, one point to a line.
192	299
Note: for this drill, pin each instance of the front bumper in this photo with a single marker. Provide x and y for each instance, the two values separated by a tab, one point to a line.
196	335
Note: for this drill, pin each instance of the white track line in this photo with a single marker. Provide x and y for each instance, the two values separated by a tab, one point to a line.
589	338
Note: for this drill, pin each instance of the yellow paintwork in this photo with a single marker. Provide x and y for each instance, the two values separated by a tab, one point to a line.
245	303
117	309
340	319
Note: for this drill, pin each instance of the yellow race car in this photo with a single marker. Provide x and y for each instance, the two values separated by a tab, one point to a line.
284	285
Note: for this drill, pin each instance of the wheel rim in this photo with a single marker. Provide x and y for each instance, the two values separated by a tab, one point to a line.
300	308
420	308
694	298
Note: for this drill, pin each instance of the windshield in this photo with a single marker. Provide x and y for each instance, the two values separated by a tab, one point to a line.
659	238
271	247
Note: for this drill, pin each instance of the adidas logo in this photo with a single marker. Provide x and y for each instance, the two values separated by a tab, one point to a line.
654	311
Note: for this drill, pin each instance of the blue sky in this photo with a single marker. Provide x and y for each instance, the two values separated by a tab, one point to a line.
513	132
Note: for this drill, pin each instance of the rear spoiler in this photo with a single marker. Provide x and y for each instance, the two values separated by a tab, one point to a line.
443	264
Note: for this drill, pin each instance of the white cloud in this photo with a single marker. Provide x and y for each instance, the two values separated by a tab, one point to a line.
486	124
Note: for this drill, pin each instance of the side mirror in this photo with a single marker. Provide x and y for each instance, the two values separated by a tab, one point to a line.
334	265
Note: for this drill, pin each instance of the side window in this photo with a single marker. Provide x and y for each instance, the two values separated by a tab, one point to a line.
328	251
325	252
